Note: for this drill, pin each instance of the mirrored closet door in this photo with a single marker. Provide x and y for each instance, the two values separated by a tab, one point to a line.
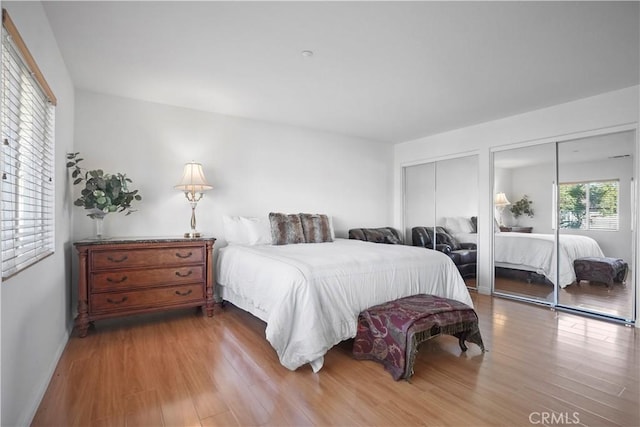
564	215
595	184
441	201
524	239
419	198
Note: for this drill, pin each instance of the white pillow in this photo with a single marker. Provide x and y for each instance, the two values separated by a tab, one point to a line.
258	230
458	224
234	230
464	225
333	232
452	225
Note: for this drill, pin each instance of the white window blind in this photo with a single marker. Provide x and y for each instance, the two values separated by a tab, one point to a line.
27	193
603	205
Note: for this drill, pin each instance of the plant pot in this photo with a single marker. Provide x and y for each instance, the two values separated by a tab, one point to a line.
98	223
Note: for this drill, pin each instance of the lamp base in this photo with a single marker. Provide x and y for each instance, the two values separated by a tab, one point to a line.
194	234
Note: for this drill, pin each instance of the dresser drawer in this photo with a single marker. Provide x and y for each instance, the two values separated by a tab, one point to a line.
143	257
110	280
155	297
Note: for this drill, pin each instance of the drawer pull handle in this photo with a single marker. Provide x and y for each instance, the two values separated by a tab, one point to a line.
109	300
122	279
184	294
124	258
187	274
179	255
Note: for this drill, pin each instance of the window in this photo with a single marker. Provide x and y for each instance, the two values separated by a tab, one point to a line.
589	205
27	156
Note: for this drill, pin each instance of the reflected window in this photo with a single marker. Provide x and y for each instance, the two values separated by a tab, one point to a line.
589	205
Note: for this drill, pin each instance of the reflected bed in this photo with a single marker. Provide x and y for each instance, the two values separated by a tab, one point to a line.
536	252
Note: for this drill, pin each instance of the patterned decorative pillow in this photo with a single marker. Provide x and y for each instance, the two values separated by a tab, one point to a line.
316	228
286	229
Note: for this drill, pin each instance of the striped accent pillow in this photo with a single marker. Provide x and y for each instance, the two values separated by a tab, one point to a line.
316	228
286	229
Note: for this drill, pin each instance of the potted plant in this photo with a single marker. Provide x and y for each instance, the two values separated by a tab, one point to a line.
103	193
522	207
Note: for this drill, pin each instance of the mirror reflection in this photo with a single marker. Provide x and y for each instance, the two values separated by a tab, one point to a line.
524	240
595	179
563	231
441	206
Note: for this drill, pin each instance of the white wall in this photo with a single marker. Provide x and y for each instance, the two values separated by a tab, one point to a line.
254	167
565	121
36	303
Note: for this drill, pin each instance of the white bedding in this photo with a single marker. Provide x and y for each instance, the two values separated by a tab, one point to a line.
536	252
310	295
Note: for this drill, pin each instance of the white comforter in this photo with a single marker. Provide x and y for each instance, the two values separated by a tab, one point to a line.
536	252
310	295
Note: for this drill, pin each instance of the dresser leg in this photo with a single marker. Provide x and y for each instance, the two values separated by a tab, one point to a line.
209	308
82	325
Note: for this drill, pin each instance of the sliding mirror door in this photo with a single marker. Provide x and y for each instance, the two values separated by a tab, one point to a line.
595	182
524	239
457	210
444	194
419	197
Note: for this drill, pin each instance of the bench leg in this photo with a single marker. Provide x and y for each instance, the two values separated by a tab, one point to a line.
471	336
461	339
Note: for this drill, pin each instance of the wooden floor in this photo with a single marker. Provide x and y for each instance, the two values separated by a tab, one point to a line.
184	369
614	300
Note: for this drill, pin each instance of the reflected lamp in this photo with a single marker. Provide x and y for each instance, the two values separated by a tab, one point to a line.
501	201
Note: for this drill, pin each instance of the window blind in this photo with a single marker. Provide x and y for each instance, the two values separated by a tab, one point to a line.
603	205
27	157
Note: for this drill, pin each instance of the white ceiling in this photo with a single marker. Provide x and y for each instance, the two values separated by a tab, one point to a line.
582	150
387	71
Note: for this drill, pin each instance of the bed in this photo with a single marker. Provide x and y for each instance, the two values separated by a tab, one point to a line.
310	295
536	252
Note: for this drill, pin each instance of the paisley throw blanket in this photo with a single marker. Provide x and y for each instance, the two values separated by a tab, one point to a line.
391	332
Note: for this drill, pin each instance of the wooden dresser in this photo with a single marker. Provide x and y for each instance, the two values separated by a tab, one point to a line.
119	277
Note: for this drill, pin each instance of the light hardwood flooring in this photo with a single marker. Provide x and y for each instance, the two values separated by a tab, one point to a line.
185	369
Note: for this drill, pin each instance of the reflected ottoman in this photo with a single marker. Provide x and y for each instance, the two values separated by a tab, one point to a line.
604	270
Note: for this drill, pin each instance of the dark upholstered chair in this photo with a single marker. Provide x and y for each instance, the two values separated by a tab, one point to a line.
463	255
376	235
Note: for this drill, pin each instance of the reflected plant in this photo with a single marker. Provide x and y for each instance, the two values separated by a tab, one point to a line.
522	207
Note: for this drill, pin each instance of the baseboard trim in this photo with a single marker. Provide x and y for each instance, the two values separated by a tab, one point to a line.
39	392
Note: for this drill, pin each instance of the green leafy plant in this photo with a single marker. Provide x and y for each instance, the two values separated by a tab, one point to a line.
522	207
103	192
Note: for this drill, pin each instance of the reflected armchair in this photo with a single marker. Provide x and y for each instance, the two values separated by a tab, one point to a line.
463	255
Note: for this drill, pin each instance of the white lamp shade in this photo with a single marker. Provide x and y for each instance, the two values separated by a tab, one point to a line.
501	200
193	179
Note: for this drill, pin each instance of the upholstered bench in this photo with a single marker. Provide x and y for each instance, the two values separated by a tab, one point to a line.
604	270
390	333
